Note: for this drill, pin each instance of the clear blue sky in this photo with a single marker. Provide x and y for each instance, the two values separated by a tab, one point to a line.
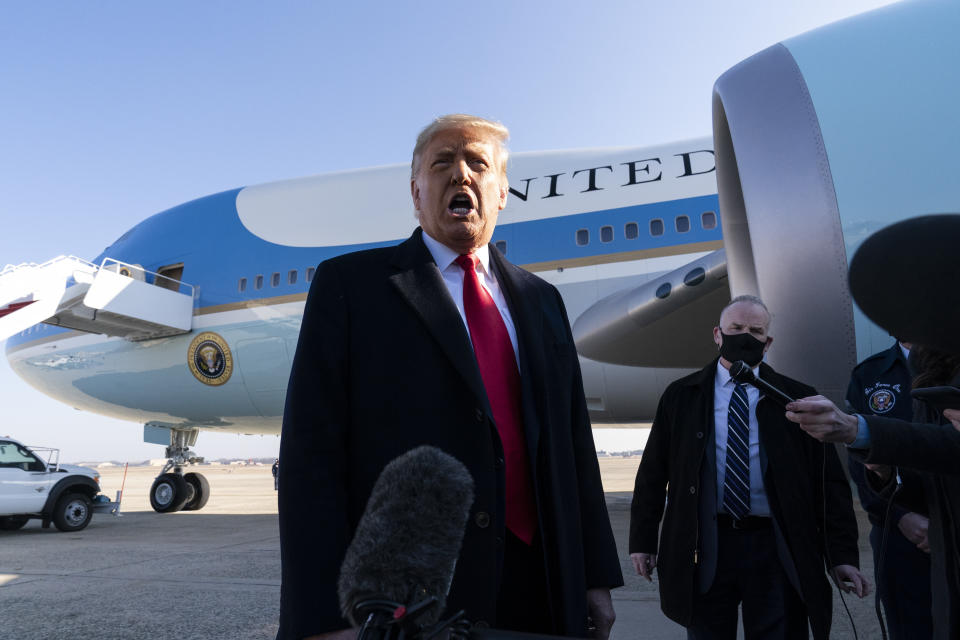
113	111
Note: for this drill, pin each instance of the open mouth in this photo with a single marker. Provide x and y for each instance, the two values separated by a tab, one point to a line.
460	204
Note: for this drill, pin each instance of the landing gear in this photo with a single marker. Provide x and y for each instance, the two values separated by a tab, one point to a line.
174	490
168	493
201	491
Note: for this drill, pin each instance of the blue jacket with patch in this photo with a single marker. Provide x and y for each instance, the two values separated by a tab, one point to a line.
880	385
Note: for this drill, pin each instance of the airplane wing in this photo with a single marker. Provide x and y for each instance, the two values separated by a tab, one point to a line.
662	323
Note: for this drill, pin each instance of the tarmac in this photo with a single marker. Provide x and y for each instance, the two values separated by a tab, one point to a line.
216	573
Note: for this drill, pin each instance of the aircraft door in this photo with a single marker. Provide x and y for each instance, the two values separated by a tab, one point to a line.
264	365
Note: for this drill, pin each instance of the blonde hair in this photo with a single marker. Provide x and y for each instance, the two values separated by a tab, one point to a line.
461	120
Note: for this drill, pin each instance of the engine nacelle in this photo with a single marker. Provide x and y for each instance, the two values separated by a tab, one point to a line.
820	141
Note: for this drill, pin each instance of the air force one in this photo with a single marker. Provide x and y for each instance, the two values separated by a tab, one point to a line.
189	321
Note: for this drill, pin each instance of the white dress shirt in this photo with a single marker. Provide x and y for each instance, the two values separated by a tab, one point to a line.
452	274
723	386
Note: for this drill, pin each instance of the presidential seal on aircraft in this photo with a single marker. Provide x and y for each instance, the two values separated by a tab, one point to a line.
210	359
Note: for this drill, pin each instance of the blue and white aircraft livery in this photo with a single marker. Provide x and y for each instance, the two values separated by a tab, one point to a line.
189	320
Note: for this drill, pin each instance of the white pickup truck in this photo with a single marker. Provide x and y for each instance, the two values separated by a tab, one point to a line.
31	487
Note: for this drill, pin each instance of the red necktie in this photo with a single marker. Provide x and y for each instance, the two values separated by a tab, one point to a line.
501	377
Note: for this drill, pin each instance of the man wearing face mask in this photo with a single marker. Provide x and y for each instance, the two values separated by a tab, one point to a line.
746	497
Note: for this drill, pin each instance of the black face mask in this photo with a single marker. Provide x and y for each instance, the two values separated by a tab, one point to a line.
742	346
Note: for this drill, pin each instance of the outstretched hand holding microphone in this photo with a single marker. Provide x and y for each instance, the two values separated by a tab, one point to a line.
821	418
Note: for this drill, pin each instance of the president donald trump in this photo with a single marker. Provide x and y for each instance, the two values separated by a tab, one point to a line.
440	341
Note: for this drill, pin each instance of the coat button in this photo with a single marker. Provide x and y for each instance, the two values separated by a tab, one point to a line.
482	519
699	434
499	463
693	489
479	415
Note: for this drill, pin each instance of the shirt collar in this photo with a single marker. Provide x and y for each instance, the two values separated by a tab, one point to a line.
444	256
904	351
723	374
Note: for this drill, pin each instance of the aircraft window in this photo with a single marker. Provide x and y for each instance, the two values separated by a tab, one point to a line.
606	234
583	237
310	272
631	231
242	285
258	282
275	279
683	224
656	227
708	219
501	245
695	277
292	276
663	290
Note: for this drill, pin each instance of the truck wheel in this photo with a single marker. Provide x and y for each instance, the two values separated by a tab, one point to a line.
201	491
73	512
168	493
12	523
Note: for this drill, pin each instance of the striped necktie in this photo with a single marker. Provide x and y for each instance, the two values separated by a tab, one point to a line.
736	480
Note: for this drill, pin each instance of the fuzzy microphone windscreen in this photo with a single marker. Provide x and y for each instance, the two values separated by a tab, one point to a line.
407	542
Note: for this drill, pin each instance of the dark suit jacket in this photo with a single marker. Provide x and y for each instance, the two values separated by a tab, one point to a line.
384	364
679	465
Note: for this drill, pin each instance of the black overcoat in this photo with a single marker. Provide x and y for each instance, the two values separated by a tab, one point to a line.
796	470
384	364
933	448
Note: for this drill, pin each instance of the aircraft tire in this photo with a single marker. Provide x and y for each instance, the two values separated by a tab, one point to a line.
12	523
72	512
201	490
191	494
168	493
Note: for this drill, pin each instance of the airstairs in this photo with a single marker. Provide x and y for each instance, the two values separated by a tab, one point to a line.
113	298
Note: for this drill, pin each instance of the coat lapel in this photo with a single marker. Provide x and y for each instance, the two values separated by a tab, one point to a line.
528	321
768	413
419	282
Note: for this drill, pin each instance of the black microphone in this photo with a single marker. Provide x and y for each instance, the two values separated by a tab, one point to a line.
742	373
400	564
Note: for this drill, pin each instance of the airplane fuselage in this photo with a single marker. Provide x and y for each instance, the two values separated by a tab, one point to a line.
590	222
